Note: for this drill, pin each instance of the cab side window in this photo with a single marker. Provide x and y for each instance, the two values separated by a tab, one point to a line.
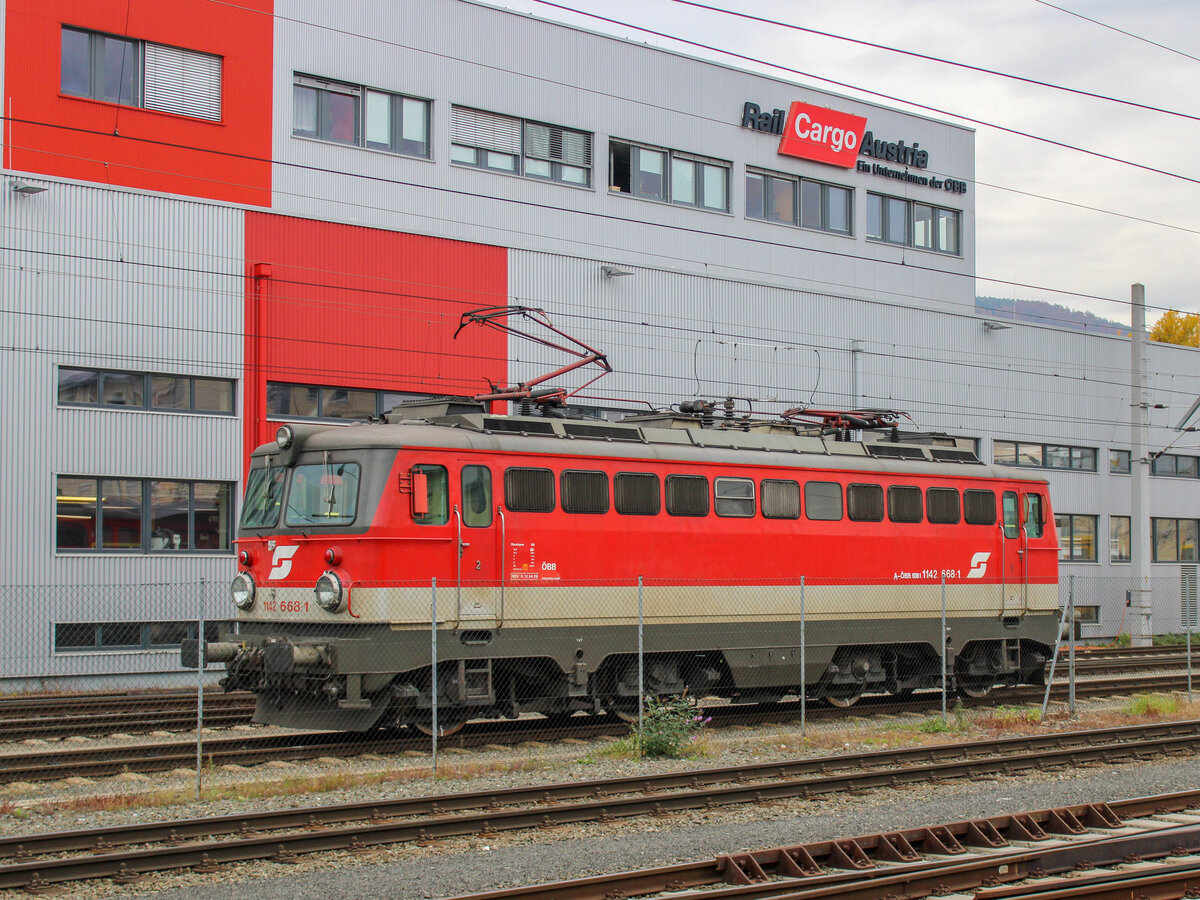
477	496
1012	524
1034	516
437	494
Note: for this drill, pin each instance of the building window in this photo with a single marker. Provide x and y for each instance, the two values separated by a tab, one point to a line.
83	637
798	201
509	144
654	173
1044	456
144	390
142	515
1119	462
1118	539
1076	538
361	116
1175	539
1174	465
911	224
137	73
310	401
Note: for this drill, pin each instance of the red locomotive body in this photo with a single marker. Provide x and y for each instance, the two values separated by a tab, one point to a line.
535	531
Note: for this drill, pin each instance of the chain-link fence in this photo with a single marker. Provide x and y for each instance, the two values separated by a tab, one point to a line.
423	666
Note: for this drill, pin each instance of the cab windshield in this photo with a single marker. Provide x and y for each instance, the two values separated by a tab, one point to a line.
324	494
264	491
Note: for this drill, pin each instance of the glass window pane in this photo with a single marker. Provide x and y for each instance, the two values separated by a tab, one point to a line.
734	497
169	515
922	225
1187	540
896	221
1034	517
323	494
574	174
119	71
379	119
461	154
342	403
755	185
212	514
414	126
1012	522
264	489
505	162
874	216
1004	453
838	205
1118	538
343	117
1118	462
683	181
1029	455
122	389
1166	545
1083	538
304	110
537	168
75	636
716	187
120	634
292	400
212	394
1062	524
167	392
947	230
781	200
477	496
76	67
121	514
75	513
78	386
1083	458
810	204
1185	466
648	173
170	634
1058	457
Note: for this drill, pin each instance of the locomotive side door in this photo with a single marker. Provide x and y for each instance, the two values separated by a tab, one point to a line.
1012	556
478	548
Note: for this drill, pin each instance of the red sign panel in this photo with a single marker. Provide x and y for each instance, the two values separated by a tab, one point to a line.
822	134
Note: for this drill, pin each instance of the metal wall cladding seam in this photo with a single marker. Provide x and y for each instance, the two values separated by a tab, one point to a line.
111	280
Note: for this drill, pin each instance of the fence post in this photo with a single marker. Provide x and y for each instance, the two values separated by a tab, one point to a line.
1071	648
641	670
201	662
803	667
945	635
1054	659
433	698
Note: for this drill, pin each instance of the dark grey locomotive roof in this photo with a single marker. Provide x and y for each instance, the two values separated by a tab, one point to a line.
665	438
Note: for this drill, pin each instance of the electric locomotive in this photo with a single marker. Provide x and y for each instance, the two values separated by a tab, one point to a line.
534	532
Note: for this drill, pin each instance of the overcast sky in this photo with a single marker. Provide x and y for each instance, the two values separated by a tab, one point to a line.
1047	218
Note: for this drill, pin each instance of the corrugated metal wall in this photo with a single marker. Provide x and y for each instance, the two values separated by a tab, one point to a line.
109	279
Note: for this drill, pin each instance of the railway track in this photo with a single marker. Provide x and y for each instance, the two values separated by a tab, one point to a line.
35	861
64	761
51	716
1148	847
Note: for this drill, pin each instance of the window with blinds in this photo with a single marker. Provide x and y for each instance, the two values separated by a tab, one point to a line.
137	73
182	82
488	140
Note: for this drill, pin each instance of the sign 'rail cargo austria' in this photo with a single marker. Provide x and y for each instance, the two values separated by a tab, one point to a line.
811	132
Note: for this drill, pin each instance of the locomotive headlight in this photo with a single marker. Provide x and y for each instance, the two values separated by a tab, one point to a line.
241	589
329	592
284	436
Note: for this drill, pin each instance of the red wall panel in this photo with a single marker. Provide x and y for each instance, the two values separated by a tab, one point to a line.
346	306
51	133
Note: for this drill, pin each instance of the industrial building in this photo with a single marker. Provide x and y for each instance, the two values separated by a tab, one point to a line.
221	217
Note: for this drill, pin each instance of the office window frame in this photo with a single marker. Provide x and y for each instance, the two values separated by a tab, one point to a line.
146	516
1161	527
1120	539
403	111
1033	455
625	159
525	151
893	220
1075	542
1120	462
144	382
767	179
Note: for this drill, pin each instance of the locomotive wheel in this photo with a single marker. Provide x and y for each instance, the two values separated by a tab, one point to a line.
447	725
976	687
844	696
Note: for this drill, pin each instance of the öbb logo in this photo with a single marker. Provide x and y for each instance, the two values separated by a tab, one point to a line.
979	563
281	562
822	134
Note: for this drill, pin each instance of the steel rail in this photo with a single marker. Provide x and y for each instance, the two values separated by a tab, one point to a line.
533	807
48	764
